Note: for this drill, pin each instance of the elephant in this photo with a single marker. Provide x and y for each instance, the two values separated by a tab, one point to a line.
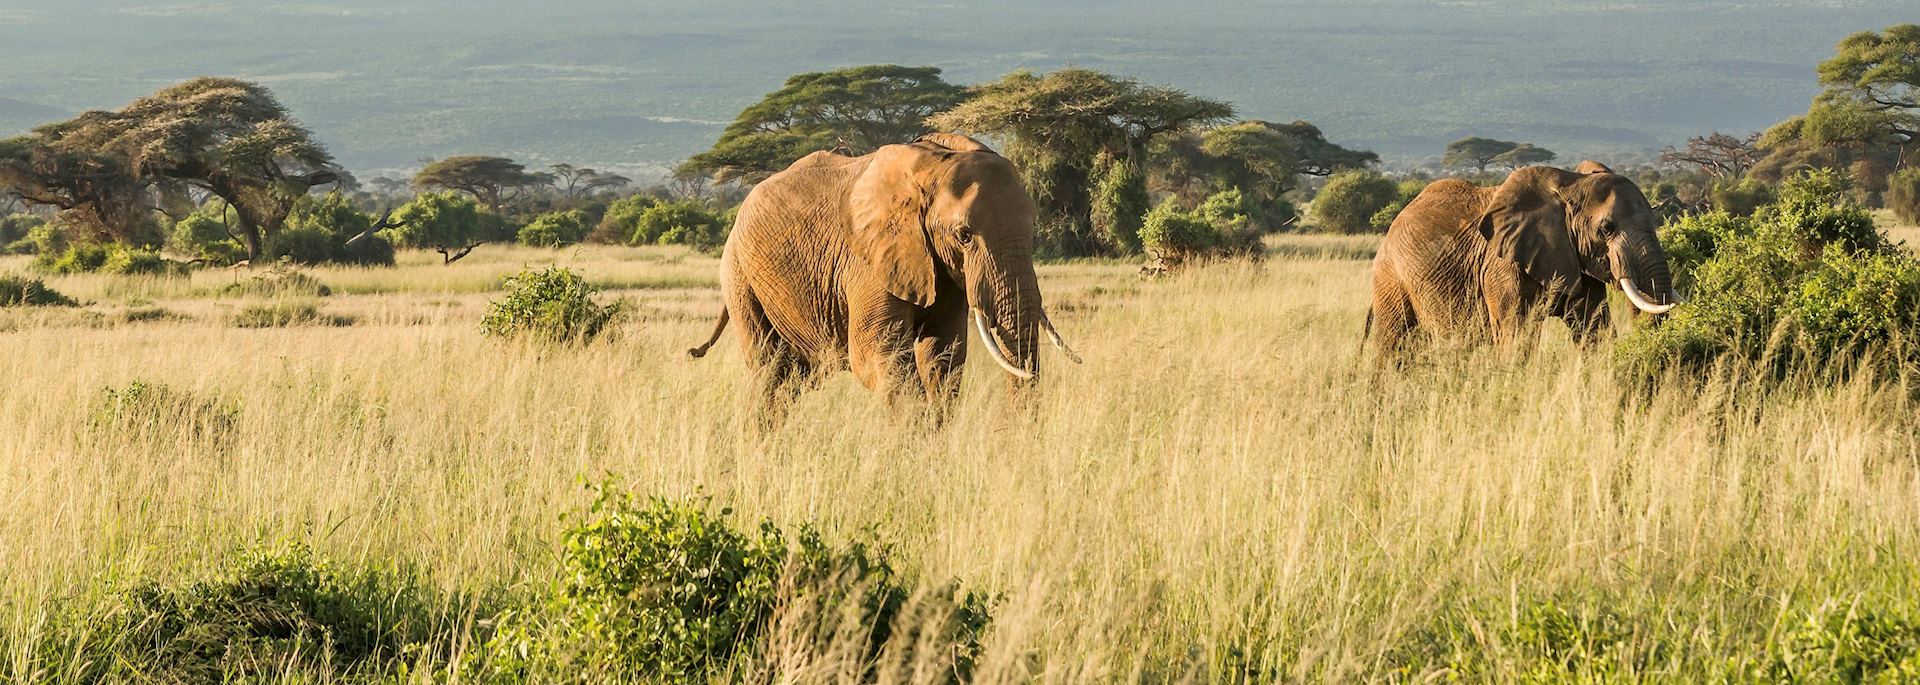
881	264
1475	263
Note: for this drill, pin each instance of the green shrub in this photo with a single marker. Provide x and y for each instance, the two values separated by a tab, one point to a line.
1847	644
1407	190
621	219
1903	195
1120	203
17	290
1173	235
552	304
271	613
15	227
686	222
556	229
109	258
1807	282
283	313
1350	200
280	281
142	408
304	245
444	220
203	236
1741	198
670	591
46	238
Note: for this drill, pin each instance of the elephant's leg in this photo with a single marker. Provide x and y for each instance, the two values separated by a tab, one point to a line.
938	356
781	372
1392	320
880	345
1511	298
1587	316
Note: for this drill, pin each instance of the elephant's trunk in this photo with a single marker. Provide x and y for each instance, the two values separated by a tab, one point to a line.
1008	317
1640	268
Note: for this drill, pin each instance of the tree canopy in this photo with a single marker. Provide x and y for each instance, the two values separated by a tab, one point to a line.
576	181
1058	124
1718	154
1524	154
492	180
1261	159
857	110
1867	115
229	137
1478	153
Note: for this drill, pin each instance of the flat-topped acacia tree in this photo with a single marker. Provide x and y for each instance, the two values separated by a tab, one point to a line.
229	137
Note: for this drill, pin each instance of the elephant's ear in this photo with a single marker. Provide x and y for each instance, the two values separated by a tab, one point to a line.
888	209
1526	222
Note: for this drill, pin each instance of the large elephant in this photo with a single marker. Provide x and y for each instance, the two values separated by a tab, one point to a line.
882	264
1463	261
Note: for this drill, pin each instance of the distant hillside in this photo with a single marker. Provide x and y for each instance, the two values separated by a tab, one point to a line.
387	82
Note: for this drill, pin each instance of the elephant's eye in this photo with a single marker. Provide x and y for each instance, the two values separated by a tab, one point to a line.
963	235
1607	228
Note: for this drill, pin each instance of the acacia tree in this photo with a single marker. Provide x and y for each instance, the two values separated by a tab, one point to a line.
857	110
492	180
1059	124
228	137
1262	159
1868	114
1478	153
1717	154
1524	154
573	181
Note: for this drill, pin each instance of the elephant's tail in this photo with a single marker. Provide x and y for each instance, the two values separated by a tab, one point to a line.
718	328
1365	332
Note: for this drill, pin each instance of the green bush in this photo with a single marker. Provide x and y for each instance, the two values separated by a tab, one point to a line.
17	290
201	235
444	220
14	227
667	591
1407	190
304	245
621	219
271	613
1807	282
1120	203
1173	235
552	304
1903	195
142	408
109	258
556	229
46	238
283	313
686	222
1741	198
1350	200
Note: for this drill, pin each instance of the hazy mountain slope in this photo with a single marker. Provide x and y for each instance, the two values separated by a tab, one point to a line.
606	81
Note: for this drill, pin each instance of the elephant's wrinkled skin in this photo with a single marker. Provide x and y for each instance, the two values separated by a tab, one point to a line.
1463	261
882	264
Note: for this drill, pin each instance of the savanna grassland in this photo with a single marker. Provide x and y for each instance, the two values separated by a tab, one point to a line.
1222	492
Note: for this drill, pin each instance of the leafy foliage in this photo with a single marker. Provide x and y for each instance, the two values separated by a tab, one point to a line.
491	180
1903	194
109	258
683	222
328	229
17	290
437	221
552	305
1476	152
1119	203
1742	197
667	591
556	229
270	613
201	235
1807	282
1262	159
1059	124
1350	200
857	109
622	219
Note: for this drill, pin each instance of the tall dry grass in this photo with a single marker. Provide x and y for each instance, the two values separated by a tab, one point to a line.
1222	491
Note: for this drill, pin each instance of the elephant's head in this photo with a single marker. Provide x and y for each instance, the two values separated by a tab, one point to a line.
1561	226
946	217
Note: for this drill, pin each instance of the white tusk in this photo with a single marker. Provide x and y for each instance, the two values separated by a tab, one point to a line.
990	341
1057	342
1639	299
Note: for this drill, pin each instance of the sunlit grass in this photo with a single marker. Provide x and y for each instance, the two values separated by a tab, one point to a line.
1223	487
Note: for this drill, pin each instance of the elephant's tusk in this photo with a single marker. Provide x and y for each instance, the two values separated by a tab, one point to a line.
992	344
1054	334
1640	301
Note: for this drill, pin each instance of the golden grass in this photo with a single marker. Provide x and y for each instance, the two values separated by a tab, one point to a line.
1220	475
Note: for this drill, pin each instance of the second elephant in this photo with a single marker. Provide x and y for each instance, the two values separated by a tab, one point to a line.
1464	261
